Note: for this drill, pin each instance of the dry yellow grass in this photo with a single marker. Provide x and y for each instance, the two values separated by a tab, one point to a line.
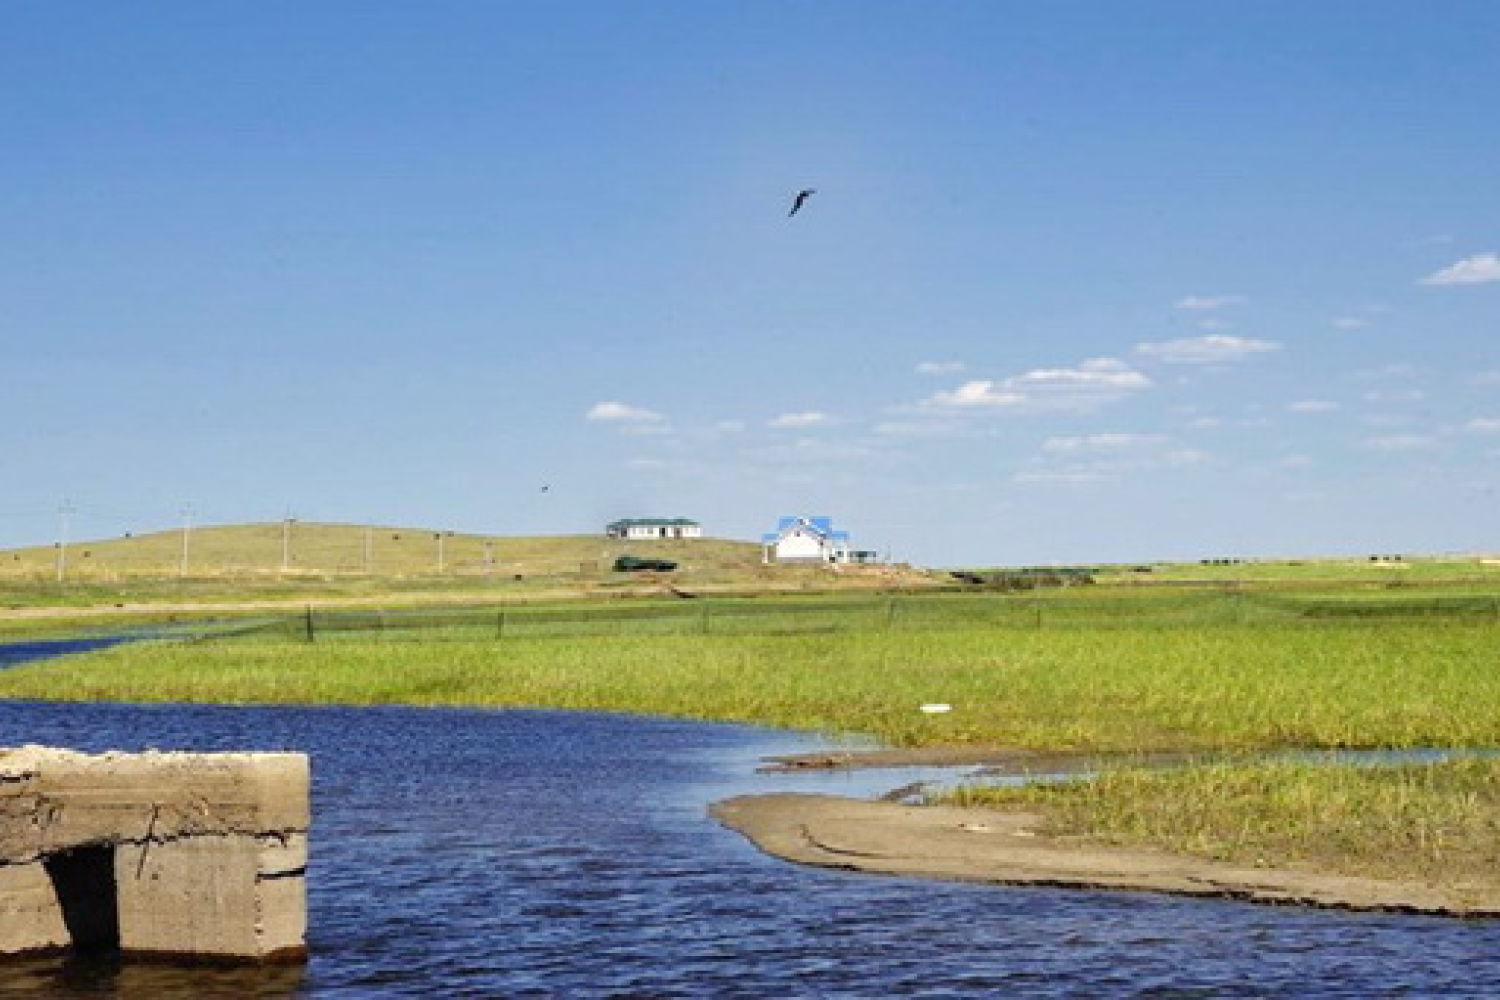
311	548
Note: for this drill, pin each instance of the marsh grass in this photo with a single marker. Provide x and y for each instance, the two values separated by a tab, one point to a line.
1436	823
1123	688
1171	672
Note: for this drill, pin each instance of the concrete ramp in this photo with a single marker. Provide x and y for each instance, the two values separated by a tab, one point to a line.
194	856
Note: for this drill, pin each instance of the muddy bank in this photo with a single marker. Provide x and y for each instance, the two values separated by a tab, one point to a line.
994	760
982	845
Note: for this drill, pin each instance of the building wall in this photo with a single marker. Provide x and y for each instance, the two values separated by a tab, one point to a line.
649	531
799	545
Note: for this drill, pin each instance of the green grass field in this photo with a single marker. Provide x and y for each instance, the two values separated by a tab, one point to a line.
1208	687
1302	663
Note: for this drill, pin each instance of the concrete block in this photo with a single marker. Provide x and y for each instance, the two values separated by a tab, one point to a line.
31	919
233	895
195	855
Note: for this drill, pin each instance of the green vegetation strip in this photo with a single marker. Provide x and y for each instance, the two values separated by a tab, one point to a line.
864	613
1434	823
1122	688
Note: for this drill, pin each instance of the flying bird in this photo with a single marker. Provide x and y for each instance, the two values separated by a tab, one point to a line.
797	202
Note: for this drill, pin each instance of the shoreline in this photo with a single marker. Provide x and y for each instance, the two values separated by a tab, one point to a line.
994	760
1008	848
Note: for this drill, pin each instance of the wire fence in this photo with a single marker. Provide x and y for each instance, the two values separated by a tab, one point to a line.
849	615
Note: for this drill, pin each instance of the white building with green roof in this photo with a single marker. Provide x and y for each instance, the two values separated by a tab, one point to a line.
646	528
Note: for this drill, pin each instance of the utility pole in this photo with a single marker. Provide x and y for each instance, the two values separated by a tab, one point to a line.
64	511
439	536
489	558
286	542
369	548
187	531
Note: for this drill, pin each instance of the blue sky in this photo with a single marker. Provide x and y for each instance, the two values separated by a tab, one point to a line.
1081	282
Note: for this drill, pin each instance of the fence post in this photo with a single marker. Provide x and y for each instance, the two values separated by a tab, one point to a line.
1036	607
309	623
890	612
703	619
500	624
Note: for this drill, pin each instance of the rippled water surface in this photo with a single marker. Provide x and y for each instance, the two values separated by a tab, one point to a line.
545	854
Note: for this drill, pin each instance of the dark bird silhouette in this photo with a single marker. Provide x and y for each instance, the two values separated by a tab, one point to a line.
798	201
546	489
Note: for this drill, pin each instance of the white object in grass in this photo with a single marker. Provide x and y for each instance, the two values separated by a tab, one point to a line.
936	708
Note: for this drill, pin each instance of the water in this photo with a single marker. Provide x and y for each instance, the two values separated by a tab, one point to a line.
548	854
13	653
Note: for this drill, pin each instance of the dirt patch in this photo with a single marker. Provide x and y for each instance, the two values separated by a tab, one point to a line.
983	845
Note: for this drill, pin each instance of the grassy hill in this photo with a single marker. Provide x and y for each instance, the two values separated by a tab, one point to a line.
320	562
310	549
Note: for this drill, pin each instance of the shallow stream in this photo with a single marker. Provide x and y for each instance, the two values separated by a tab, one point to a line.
550	854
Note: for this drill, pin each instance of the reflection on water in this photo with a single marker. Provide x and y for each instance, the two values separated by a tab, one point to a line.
62	977
546	854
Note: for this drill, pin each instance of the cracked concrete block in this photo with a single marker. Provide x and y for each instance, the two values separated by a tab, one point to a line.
31	919
193	855
234	895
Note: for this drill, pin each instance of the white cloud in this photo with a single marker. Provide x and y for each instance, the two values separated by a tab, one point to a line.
981	392
1313	406
1213	349
1061	476
1349	323
807	418
1106	456
918	428
940	367
612	411
1387	420
1093	382
809	452
1401	442
1108	442
729	426
1109	374
1475	270
1395	396
1399	371
1177	457
1483	425
1206	303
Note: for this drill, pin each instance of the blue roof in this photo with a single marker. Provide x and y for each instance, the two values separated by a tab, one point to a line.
822	525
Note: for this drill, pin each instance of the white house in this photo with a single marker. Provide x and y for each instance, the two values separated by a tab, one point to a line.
644	528
805	540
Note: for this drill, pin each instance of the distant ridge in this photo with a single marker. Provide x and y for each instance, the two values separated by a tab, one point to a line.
278	548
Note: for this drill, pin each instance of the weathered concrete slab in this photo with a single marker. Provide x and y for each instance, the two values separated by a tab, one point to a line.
198	856
30	917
